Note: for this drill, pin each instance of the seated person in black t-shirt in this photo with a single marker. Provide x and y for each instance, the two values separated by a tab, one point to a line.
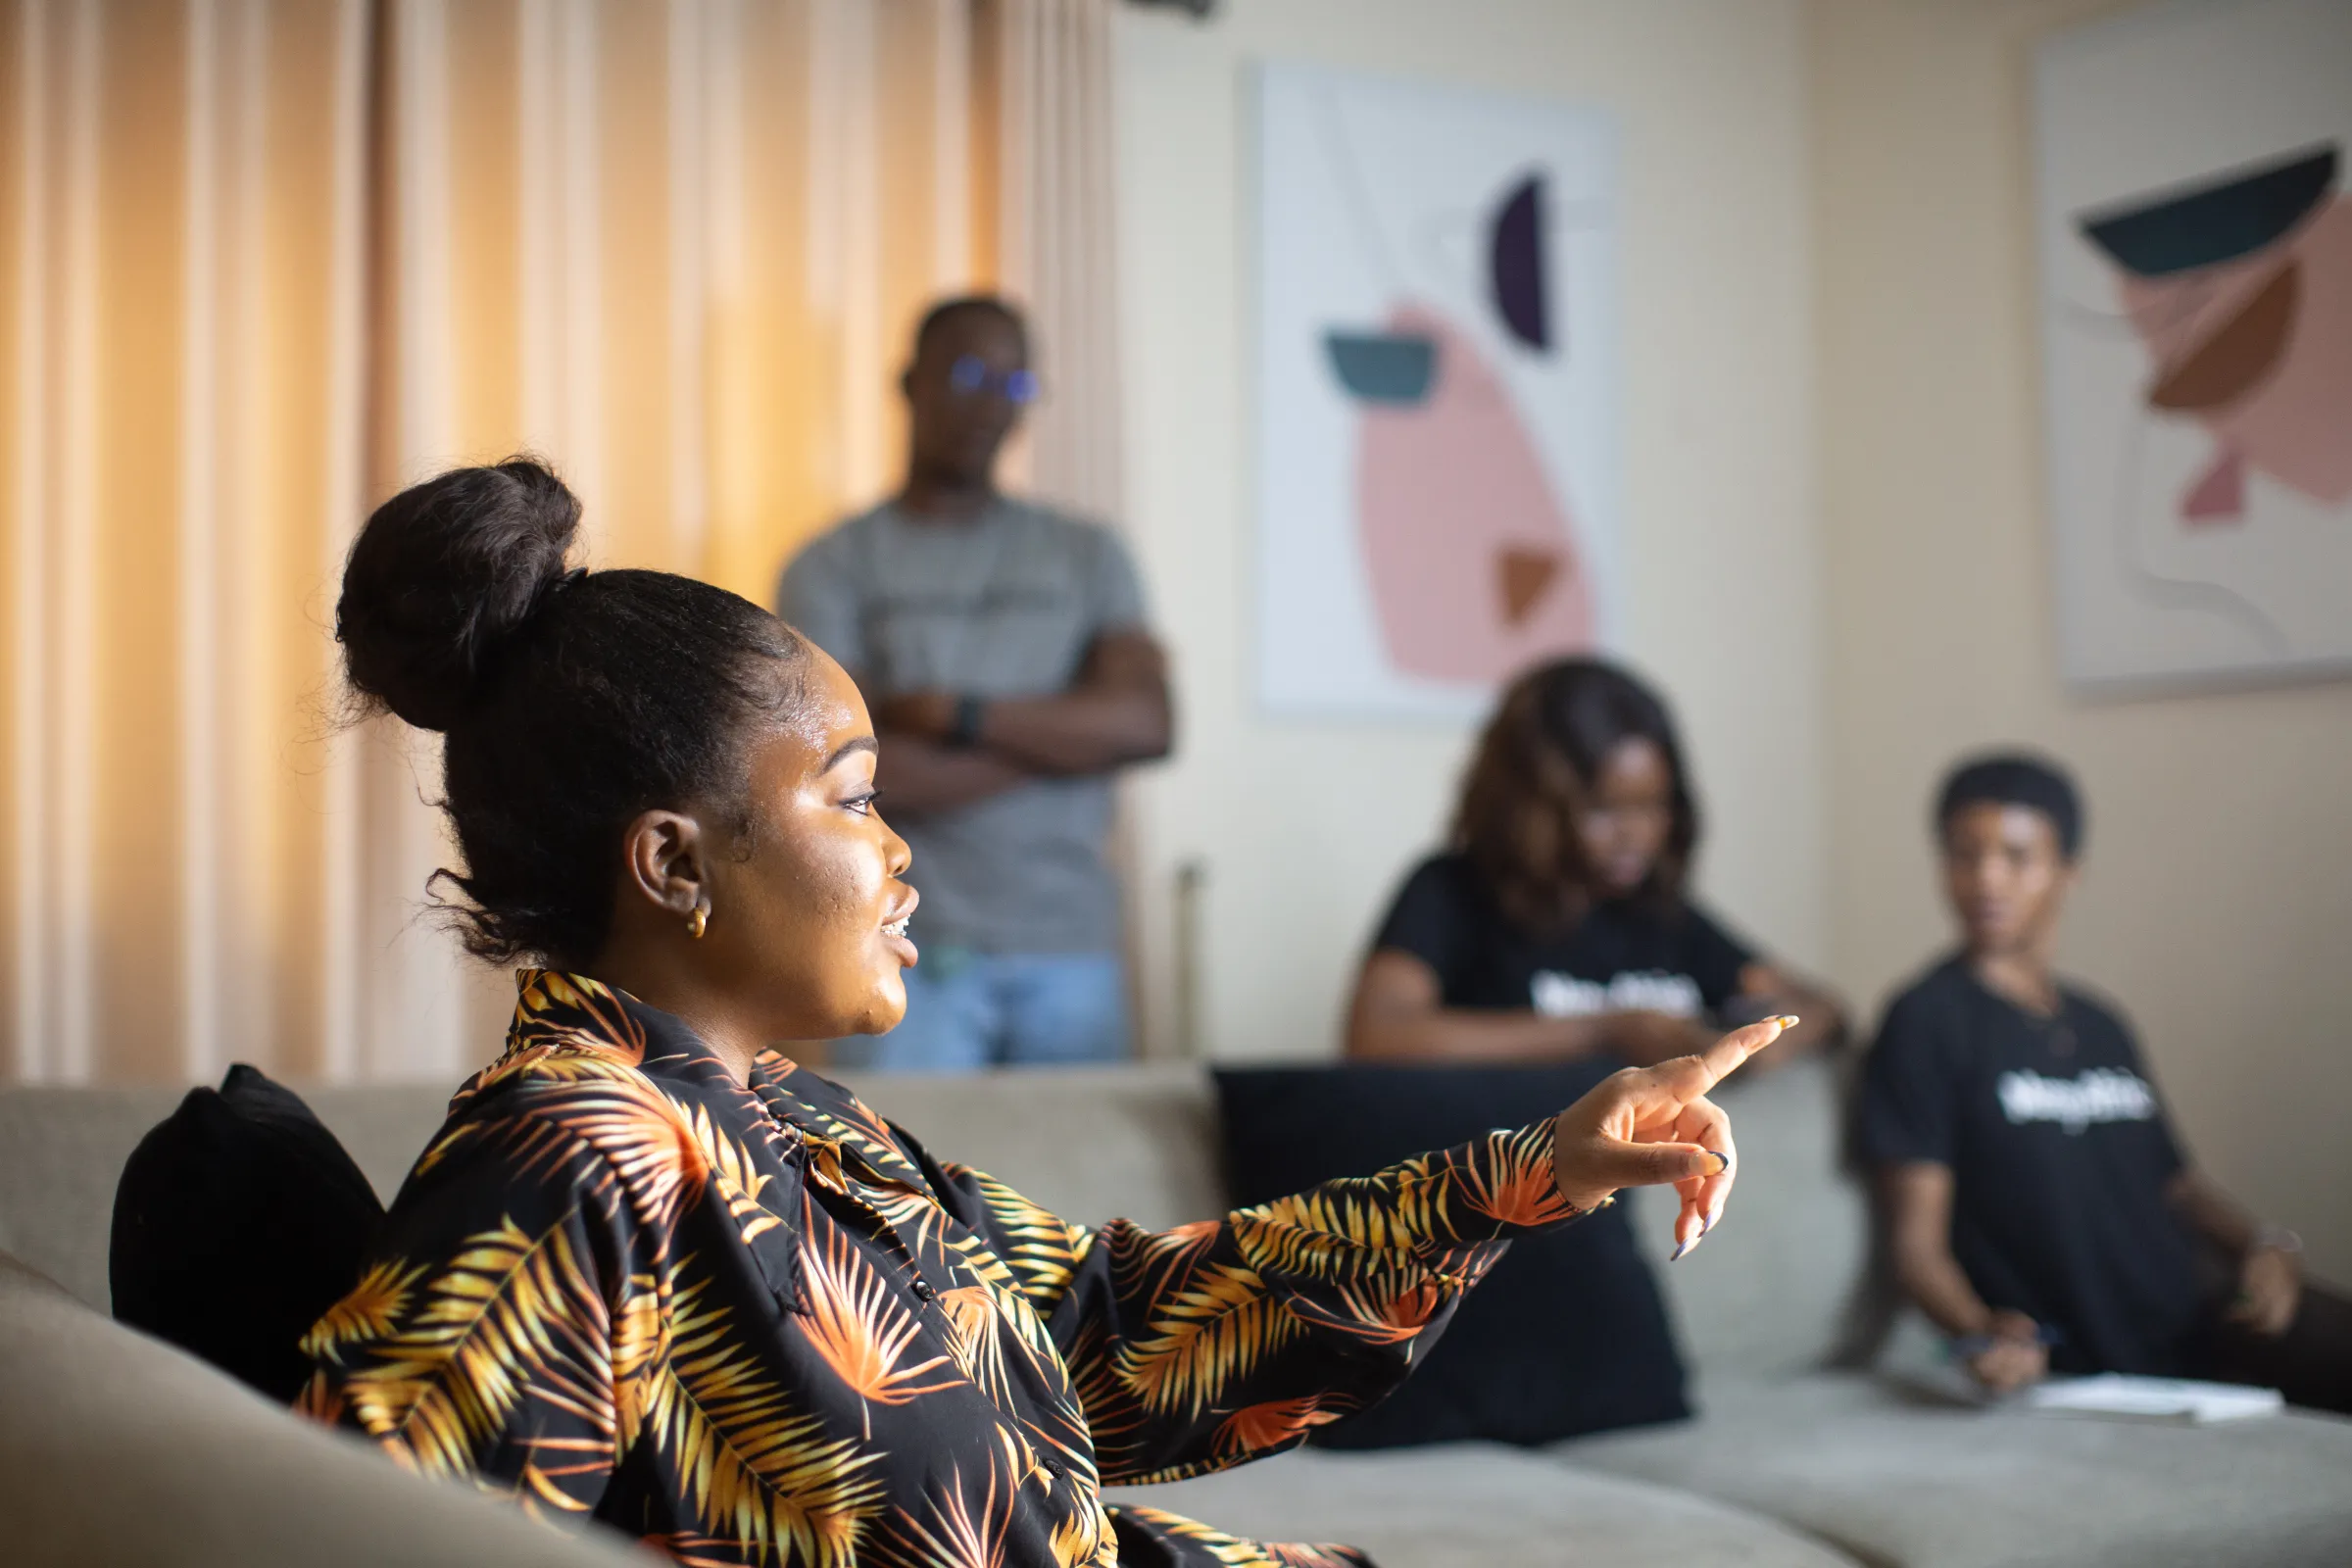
1549	948
2039	1207
1556	926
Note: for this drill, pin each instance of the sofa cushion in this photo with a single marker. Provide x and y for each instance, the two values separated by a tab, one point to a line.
119	1451
1762	1296
1907	1481
1772	1290
1090	1143
62	1152
1566	1334
1475	1502
238	1222
1769	1294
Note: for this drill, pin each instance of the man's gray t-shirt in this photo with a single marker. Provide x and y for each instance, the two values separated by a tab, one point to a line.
1007	605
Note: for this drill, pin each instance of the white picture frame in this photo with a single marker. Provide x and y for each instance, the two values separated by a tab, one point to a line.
2191	163
1419	542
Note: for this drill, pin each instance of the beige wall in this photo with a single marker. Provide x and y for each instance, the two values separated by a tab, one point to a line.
1828	277
2217	901
1305	828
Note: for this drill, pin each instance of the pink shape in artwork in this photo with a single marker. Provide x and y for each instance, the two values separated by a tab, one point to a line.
1474	562
2294	423
2221	495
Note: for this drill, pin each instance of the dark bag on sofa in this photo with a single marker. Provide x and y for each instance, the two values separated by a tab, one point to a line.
239	1220
1565	1336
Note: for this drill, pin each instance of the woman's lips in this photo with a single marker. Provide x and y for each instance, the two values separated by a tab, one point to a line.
894	930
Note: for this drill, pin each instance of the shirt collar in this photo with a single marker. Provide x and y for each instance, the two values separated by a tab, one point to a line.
555	1012
559	1015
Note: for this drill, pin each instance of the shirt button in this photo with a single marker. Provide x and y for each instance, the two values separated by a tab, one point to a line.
923	1290
1052	1467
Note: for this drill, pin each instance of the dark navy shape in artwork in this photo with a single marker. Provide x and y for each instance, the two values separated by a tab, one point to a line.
1515	265
2219	219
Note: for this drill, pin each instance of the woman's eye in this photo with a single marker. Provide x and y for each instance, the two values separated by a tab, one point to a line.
863	805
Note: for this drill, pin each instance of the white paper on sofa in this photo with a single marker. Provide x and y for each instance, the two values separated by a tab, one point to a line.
2116	1397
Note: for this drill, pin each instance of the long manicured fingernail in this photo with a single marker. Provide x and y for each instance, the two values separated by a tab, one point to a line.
1704	1226
1677	1255
1788	1020
1722	1163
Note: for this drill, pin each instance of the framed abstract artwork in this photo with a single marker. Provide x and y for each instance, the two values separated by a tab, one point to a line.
1438	464
2195	236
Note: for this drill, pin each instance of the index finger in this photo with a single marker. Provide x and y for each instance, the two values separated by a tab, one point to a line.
1721	1059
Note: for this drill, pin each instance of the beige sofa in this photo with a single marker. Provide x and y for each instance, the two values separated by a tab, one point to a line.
114	1448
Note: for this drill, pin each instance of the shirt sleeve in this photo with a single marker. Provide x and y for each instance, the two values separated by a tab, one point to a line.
1115	593
1199	1348
1904	1114
481	1342
818	598
1433	919
1717	959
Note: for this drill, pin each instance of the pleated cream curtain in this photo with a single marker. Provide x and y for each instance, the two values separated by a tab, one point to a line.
264	261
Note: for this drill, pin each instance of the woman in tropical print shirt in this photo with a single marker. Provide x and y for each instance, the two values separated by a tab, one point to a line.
654	1273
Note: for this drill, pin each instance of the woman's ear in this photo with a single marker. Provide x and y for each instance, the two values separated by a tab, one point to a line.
664	861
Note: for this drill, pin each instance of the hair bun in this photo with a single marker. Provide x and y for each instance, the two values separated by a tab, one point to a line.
445	573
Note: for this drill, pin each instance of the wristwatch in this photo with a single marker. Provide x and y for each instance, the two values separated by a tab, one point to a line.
963	729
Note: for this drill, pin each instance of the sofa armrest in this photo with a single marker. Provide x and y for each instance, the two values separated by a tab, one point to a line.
116	1449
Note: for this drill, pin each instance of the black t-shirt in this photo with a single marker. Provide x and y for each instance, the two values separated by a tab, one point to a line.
1622	955
2059	1152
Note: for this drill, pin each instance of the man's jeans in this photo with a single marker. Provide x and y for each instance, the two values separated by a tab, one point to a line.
967	1010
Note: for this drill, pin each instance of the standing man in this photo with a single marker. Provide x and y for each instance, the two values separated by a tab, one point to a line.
1001	648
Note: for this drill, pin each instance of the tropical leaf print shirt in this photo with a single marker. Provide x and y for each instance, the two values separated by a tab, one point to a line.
761	1325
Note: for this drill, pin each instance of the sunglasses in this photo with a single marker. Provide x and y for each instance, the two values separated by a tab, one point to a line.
971	377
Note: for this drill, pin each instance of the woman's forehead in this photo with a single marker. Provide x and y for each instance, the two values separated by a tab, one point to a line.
831	685
832	713
1634	759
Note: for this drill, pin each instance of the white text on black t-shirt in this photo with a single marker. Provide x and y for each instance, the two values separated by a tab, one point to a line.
2100	1095
1564	996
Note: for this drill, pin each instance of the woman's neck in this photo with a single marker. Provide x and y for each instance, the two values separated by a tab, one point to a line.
732	1039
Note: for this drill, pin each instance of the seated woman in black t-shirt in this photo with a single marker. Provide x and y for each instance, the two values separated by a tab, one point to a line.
1556	926
2037	1206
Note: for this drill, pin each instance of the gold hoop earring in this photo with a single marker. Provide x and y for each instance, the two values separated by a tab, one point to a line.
697	922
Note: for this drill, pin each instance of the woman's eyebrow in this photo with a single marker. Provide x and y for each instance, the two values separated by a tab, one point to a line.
863	743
